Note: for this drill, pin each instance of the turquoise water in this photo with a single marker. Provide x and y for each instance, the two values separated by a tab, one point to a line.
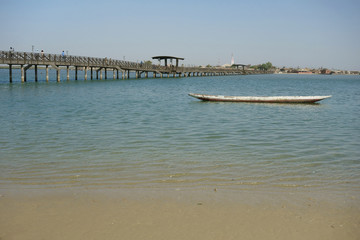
140	133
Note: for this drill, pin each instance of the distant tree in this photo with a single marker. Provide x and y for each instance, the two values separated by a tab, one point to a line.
265	66
208	66
148	62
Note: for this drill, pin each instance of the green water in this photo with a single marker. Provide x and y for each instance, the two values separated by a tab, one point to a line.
143	133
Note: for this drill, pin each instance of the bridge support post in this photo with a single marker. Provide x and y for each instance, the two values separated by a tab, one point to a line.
86	70
67	73
117	73
76	72
128	74
22	73
36	74
10	73
58	75
101	73
47	73
91	70
105	73
114	74
136	74
146	74
25	69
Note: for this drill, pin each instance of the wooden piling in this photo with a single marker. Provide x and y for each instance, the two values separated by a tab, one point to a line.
10	73
58	74
36	73
22	73
47	73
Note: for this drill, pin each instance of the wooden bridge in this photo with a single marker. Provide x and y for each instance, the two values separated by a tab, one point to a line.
97	66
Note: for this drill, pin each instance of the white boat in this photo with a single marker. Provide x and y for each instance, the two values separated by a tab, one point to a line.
255	99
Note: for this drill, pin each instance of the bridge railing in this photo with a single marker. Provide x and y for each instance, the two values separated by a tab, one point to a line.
31	58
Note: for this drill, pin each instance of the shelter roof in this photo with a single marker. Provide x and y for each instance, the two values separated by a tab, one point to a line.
167	57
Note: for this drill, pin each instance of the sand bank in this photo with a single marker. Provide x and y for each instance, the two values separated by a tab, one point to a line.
184	216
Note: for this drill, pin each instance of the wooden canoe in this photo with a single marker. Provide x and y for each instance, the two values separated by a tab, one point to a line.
255	99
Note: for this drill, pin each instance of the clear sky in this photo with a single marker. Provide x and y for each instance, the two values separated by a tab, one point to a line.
293	33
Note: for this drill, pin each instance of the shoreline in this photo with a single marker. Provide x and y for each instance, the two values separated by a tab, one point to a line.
153	214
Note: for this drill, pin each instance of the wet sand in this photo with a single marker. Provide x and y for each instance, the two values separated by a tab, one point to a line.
130	215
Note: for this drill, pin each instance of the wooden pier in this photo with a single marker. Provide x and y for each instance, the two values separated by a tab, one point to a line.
96	66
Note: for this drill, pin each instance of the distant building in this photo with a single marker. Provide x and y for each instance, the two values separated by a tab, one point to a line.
226	65
314	71
325	71
304	71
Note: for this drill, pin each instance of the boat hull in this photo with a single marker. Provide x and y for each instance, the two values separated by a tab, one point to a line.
273	99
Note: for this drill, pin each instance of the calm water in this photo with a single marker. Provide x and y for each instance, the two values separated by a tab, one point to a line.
150	133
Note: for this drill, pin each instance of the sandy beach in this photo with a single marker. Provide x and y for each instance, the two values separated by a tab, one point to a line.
130	215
